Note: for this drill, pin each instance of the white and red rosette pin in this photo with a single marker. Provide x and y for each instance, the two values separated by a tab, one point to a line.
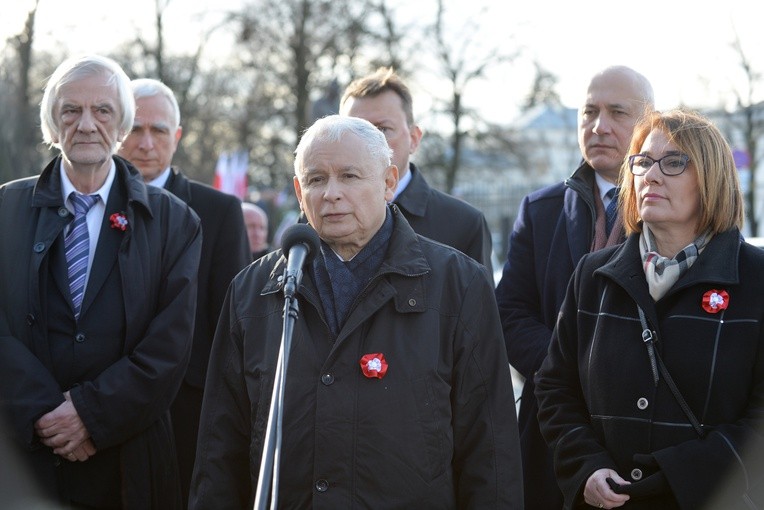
118	221
714	301
374	365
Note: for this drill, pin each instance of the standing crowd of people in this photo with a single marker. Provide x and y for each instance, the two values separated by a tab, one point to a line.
142	315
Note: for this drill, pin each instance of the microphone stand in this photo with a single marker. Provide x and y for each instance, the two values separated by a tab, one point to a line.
271	457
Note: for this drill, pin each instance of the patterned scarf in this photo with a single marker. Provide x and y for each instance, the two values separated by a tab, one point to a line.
663	272
339	283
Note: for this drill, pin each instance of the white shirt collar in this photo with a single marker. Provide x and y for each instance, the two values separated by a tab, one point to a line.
402	183
67	187
604	186
161	179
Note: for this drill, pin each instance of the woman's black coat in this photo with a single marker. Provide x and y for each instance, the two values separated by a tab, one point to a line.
599	403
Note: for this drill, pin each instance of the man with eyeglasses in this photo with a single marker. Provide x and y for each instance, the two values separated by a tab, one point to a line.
555	227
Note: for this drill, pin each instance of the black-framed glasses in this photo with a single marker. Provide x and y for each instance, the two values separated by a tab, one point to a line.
673	164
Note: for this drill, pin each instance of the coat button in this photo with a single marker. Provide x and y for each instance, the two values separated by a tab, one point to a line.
322	485
63	212
642	403
636	474
39	247
30	319
327	379
412	302
79	338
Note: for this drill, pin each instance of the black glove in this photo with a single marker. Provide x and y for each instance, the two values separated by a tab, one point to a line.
653	485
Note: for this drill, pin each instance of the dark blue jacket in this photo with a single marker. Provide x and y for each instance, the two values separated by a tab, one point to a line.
553	230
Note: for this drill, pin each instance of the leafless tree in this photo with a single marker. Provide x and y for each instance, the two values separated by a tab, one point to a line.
206	97
297	52
461	61
543	89
20	152
751	125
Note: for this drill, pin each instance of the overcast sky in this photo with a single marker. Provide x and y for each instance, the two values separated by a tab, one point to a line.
682	46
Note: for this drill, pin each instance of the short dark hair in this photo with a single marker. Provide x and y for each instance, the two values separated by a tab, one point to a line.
381	80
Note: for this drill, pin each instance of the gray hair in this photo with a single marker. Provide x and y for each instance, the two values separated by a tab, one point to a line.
76	68
147	87
333	127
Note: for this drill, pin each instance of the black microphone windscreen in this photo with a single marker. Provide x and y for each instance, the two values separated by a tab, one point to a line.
301	233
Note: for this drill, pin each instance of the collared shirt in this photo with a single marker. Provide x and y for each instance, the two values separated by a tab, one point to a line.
604	186
95	214
161	179
402	183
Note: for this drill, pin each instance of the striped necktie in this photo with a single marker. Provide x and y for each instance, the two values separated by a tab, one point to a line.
77	247
612	209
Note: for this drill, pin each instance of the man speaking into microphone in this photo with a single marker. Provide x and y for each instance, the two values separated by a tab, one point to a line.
398	392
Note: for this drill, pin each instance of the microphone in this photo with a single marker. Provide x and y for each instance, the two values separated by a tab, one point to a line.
300	243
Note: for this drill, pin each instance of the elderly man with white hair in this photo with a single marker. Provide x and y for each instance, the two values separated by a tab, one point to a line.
99	280
398	393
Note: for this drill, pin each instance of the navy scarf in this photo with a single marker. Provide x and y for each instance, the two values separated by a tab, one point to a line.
339	283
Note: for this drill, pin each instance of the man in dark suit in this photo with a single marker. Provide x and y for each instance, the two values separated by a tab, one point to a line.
97	302
384	100
150	146
555	227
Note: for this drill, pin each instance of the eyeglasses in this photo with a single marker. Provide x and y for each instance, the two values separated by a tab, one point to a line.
673	164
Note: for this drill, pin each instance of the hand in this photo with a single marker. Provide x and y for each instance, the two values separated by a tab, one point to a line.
598	493
63	430
83	452
653	485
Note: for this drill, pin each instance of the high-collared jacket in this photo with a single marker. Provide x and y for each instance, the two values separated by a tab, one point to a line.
438	431
131	345
446	219
601	401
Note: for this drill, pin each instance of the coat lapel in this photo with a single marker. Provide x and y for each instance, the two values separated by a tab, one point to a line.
109	241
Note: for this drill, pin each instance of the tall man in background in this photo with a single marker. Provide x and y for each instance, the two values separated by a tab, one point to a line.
150	146
383	99
555	227
97	304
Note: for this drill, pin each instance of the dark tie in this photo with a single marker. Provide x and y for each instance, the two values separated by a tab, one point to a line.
612	209
77	247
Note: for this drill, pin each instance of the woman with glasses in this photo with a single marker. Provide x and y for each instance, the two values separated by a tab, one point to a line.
652	395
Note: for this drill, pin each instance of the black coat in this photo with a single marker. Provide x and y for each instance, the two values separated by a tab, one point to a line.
446	219
553	230
225	252
144	279
437	432
599	404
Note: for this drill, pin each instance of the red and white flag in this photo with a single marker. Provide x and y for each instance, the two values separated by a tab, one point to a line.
231	173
